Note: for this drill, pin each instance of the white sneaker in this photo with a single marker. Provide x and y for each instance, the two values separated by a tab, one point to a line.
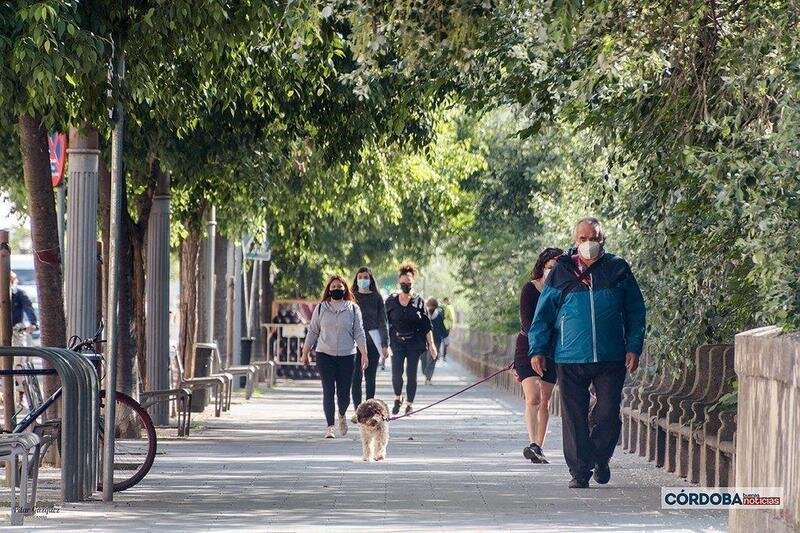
329	433
342	426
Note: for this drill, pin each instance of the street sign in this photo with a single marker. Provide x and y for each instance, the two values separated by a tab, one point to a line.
58	157
257	252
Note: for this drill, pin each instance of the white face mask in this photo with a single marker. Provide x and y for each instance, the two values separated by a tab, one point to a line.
545	273
589	250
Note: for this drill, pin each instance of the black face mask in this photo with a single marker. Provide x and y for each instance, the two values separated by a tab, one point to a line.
337	294
405	287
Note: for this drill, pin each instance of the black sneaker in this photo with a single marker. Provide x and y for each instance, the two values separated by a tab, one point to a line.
537	451
579	483
396	407
602	473
529	453
408	409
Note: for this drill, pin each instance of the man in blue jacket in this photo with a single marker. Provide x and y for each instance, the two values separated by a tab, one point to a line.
590	320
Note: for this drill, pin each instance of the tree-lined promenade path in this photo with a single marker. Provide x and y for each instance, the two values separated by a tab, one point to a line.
264	467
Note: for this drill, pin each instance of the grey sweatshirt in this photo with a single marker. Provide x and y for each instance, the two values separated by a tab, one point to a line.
336	332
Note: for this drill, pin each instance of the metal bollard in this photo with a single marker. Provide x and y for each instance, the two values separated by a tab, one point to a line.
80	416
202	368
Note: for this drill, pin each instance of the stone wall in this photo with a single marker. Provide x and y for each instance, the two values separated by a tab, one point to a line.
768	432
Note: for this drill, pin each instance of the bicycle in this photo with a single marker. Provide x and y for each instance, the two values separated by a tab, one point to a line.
135	435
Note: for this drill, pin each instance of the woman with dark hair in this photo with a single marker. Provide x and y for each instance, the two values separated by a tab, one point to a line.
538	389
410	335
373	315
337	331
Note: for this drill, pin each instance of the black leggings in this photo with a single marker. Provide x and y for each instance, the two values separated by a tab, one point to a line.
411	357
337	375
369	374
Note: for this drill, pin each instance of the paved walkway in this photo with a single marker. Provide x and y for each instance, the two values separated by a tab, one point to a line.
458	466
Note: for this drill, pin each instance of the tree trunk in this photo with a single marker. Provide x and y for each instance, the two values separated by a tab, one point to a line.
138	262
267	296
221	269
126	344
189	262
137	233
44	234
127	371
255	311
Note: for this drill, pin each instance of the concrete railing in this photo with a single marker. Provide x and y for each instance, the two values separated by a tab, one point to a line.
768	438
673	416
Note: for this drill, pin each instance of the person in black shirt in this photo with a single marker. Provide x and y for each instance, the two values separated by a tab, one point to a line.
537	389
410	335
373	315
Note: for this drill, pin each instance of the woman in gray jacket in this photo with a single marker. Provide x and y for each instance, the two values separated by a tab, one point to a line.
337	331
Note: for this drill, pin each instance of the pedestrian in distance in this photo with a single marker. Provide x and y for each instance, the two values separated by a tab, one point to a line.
437	324
538	388
336	331
373	316
592	306
410	336
449	323
21	308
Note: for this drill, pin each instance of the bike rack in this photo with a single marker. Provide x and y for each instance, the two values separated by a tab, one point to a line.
79	418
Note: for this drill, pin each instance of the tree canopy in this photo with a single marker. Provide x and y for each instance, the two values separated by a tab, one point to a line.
370	131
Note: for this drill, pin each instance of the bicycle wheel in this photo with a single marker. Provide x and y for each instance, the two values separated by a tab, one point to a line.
134	442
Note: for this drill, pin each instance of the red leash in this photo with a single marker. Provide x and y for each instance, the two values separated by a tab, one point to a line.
465	389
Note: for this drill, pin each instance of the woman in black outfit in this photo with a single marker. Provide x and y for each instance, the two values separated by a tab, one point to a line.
537	389
373	314
410	335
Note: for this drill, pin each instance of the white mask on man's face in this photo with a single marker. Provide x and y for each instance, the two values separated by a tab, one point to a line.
589	250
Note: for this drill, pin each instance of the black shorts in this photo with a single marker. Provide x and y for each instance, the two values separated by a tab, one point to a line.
524	370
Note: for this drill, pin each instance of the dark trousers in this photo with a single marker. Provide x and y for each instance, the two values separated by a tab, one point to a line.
401	354
588	443
337	375
373	355
428	365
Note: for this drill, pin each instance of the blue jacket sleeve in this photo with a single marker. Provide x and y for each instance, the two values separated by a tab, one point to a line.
635	315
544	320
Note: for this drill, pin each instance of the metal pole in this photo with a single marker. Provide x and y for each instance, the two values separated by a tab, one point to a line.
113	282
211	225
80	279
6	363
